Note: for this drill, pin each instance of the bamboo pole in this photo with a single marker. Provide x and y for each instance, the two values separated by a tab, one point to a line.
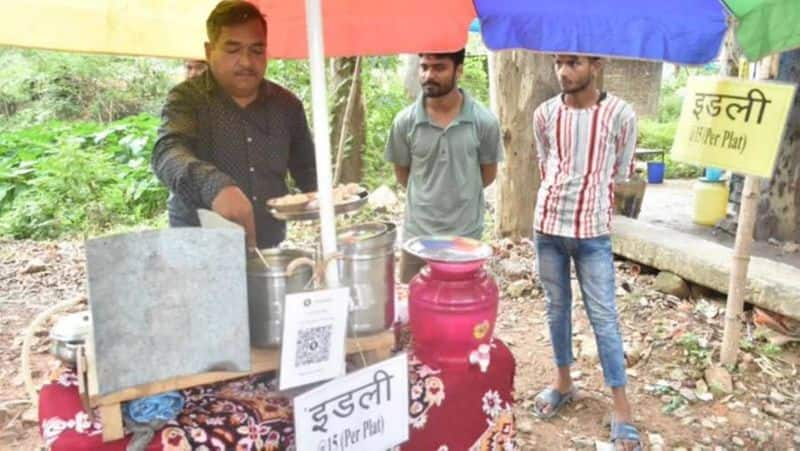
737	284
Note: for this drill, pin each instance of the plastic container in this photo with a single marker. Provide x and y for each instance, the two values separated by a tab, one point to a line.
452	311
655	172
710	202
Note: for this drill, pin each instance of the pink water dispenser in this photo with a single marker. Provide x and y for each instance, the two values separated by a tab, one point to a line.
452	302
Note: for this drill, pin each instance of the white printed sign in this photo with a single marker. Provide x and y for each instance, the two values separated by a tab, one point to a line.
314	335
366	410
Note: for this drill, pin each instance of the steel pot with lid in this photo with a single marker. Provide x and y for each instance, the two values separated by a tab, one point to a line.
366	266
68	335
267	287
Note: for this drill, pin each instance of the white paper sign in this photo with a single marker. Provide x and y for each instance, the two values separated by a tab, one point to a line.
314	335
365	410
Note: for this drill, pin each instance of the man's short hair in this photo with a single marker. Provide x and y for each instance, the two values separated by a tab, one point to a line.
231	12
457	57
591	58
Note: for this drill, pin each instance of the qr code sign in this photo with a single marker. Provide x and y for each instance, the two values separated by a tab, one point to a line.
313	345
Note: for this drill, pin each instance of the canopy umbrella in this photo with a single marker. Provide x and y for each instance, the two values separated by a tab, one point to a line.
176	28
677	31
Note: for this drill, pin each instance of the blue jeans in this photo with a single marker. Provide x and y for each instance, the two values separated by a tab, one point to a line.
594	265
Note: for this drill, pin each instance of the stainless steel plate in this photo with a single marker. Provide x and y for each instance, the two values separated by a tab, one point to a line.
313	214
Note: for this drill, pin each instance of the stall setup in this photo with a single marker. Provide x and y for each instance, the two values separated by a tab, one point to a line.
683	31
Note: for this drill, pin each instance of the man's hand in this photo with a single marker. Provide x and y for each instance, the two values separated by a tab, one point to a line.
232	204
401	174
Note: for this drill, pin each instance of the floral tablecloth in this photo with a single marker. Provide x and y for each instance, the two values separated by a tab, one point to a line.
451	409
244	414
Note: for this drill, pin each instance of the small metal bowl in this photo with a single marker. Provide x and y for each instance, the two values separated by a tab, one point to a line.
68	335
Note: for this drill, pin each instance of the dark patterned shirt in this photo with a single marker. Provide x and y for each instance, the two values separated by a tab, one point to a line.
207	142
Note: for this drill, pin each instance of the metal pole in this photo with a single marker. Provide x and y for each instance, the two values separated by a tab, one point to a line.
322	144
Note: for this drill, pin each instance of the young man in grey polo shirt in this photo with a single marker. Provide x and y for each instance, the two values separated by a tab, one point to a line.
445	148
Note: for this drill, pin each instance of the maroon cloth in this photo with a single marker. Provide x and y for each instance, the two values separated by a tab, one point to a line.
451	409
462	408
243	414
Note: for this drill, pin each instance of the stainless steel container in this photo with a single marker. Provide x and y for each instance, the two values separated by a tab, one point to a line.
367	267
267	287
68	335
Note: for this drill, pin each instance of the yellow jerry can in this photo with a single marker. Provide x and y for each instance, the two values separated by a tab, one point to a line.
710	201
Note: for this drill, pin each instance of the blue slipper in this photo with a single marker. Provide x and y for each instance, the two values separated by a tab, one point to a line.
553	398
621	431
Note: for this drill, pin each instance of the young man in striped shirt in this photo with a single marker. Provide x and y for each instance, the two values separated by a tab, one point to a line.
585	141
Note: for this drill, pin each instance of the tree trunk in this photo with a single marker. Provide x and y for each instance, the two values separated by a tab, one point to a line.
521	81
779	207
410	70
730	55
343	79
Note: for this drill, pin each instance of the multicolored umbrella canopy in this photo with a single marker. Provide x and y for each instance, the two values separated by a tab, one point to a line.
176	28
678	31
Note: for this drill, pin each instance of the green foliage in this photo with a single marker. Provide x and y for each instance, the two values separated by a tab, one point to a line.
660	133
293	75
384	97
78	178
476	78
680	170
656	135
769	349
38	86
695	349
675	403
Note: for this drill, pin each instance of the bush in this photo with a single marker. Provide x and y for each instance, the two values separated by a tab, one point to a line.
382	101
82	178
660	133
39	86
656	135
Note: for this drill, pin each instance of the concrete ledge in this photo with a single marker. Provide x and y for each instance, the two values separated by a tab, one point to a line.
771	285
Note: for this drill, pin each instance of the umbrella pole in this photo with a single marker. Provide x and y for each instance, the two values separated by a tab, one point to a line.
322	144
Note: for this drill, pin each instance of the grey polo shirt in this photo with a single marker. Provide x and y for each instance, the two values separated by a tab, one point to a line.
445	189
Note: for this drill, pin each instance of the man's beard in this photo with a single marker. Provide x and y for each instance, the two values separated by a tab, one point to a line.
438	90
579	88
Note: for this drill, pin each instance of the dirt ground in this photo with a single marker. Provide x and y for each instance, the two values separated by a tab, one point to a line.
669	343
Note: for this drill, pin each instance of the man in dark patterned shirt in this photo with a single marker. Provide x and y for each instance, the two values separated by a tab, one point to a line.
228	137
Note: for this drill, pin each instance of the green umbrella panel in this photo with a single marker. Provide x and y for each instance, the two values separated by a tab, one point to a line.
766	26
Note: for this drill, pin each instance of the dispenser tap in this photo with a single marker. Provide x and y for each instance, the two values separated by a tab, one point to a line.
481	357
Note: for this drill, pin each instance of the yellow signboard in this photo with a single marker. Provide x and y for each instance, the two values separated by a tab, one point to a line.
733	124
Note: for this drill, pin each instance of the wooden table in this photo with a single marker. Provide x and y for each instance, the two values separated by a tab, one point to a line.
373	348
643	153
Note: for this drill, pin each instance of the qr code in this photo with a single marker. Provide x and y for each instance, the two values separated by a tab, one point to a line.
313	345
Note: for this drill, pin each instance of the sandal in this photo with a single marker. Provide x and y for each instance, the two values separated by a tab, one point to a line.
626	432
553	398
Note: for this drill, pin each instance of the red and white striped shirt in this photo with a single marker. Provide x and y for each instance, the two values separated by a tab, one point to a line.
582	152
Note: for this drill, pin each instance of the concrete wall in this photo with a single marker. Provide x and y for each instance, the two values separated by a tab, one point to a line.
637	82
